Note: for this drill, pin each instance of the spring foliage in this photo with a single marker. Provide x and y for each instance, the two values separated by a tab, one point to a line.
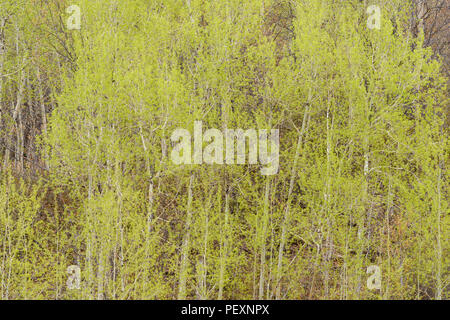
363	152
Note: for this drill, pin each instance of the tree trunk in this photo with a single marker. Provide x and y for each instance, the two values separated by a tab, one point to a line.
185	246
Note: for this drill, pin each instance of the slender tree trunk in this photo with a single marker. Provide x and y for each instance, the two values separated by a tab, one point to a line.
439	288
286	216
224	254
20	94
421	10
2	55
327	197
263	240
185	246
388	240
43	112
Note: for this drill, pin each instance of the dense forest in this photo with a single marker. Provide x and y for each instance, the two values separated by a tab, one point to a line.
93	207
